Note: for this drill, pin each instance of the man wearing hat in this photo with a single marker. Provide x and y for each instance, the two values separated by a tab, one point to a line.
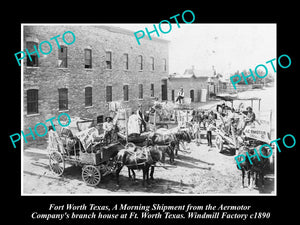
108	127
250	117
180	96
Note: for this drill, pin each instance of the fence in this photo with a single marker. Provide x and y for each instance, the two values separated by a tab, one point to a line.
230	89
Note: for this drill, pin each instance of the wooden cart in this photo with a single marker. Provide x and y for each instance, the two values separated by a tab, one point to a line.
96	160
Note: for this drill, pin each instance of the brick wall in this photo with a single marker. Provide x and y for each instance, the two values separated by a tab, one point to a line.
47	78
188	84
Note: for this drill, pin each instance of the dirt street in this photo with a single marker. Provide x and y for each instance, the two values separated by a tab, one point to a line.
202	170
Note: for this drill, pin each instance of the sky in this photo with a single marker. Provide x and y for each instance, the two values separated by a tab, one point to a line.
227	47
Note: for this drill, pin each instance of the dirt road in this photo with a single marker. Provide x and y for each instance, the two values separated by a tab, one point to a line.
202	170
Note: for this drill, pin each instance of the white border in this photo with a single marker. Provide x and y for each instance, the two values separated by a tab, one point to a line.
115	194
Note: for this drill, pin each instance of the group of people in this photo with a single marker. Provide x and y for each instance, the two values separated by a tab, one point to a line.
136	124
234	117
229	116
205	119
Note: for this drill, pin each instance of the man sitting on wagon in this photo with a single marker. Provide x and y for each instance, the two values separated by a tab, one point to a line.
180	96
249	118
108	128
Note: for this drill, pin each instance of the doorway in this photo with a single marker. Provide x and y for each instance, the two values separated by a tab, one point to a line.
164	90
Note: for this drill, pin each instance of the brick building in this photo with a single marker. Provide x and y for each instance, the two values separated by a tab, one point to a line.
196	84
103	65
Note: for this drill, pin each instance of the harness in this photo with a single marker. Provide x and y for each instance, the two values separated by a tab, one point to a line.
147	158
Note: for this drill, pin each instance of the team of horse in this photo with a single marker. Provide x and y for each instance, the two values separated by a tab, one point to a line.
255	170
156	147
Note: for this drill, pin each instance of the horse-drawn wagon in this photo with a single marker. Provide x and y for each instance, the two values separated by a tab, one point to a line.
84	148
236	133
169	115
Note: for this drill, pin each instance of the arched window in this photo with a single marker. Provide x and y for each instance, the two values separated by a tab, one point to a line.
125	92
32	101
141	91
164	64
87	58
63	57
32	59
140	62
88	96
152	63
108	93
63	98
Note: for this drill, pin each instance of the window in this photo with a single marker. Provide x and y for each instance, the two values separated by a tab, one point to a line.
108	60
125	61
152	90
32	101
173	95
88	96
140	91
32	47
62	57
140	62
165	64
125	92
152	63
108	93
87	58
63	99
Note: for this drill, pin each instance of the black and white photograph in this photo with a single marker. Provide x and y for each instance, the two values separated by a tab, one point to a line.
147	113
183	109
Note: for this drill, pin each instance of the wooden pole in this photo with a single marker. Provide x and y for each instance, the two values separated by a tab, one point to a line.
126	124
186	118
154	121
271	122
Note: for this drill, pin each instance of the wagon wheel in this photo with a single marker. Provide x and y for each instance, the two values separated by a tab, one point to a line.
91	175
219	143
130	145
56	163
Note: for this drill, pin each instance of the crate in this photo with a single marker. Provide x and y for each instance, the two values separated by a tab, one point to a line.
90	158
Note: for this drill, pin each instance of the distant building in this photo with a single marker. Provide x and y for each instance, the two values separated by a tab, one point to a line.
197	84
103	65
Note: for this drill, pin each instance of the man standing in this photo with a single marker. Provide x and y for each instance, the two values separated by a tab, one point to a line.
180	96
211	124
140	115
133	126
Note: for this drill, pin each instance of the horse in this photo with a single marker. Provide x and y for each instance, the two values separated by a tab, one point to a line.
257	168
163	136
182	136
140	158
163	139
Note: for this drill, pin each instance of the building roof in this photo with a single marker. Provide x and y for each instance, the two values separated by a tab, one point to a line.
193	73
128	32
199	73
